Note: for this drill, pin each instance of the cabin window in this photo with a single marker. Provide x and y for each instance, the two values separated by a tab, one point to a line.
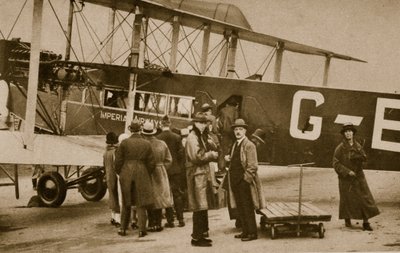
150	102
180	106
115	98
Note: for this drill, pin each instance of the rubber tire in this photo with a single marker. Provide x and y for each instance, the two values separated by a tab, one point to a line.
51	197
95	190
321	230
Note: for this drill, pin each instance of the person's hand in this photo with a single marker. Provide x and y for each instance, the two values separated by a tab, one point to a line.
227	158
352	174
214	154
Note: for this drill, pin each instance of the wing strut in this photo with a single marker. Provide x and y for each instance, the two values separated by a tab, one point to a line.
33	74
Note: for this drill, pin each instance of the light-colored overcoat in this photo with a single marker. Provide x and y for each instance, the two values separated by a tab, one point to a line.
200	188
248	159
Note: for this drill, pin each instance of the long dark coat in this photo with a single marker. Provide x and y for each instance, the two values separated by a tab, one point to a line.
174	143
356	201
134	162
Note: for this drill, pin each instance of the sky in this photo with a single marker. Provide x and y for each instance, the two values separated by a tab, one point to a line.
364	29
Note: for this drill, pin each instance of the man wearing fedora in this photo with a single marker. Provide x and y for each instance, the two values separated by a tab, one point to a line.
134	163
200	192
111	177
176	173
244	186
356	201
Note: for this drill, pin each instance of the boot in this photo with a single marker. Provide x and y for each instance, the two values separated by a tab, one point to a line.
367	227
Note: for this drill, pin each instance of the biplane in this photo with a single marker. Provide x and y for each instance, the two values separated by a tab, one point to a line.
58	109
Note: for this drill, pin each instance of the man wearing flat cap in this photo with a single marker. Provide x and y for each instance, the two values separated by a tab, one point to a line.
200	193
356	201
134	162
244	186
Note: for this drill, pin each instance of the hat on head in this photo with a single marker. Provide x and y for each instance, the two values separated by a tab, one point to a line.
239	123
165	121
348	126
111	138
259	134
148	128
135	125
205	107
232	101
200	117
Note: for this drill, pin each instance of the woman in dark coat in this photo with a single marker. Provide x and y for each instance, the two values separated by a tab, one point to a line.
356	201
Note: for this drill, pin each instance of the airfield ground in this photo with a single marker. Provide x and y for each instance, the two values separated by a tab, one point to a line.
81	226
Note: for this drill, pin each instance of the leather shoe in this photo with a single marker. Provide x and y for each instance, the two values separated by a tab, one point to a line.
122	232
206	239
181	223
142	233
347	223
240	236
367	227
169	225
249	238
200	243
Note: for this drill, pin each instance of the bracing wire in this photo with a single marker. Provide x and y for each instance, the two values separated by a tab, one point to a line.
16	20
216	55
244	58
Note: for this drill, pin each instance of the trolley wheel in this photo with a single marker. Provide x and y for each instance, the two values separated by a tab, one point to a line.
51	189
273	232
93	189
321	230
263	223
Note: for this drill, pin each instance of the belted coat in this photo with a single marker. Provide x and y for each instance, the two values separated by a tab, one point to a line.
356	200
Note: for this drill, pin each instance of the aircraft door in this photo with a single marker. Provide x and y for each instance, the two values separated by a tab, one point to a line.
202	97
257	117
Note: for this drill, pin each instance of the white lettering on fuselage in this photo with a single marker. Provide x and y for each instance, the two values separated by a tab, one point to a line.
112	116
316	122
382	123
379	125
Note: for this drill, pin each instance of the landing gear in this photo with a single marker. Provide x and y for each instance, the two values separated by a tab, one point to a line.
52	189
94	187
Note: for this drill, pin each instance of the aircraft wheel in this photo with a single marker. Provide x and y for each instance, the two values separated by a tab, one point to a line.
321	230
93	189
51	189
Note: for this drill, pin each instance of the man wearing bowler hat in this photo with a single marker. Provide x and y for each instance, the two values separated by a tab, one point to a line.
134	162
356	201
244	185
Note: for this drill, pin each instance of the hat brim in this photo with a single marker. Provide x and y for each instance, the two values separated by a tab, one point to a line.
240	125
149	133
344	129
258	138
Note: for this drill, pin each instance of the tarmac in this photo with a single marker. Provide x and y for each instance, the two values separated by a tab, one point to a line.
81	226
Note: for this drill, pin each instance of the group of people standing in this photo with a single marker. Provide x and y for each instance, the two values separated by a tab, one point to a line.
154	168
150	174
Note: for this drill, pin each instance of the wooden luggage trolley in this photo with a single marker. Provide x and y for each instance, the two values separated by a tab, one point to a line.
283	217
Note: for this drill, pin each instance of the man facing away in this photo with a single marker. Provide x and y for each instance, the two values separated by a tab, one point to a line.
176	174
134	162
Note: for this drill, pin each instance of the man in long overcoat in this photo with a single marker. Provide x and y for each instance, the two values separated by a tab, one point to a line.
245	192
134	162
356	201
176	172
200	192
